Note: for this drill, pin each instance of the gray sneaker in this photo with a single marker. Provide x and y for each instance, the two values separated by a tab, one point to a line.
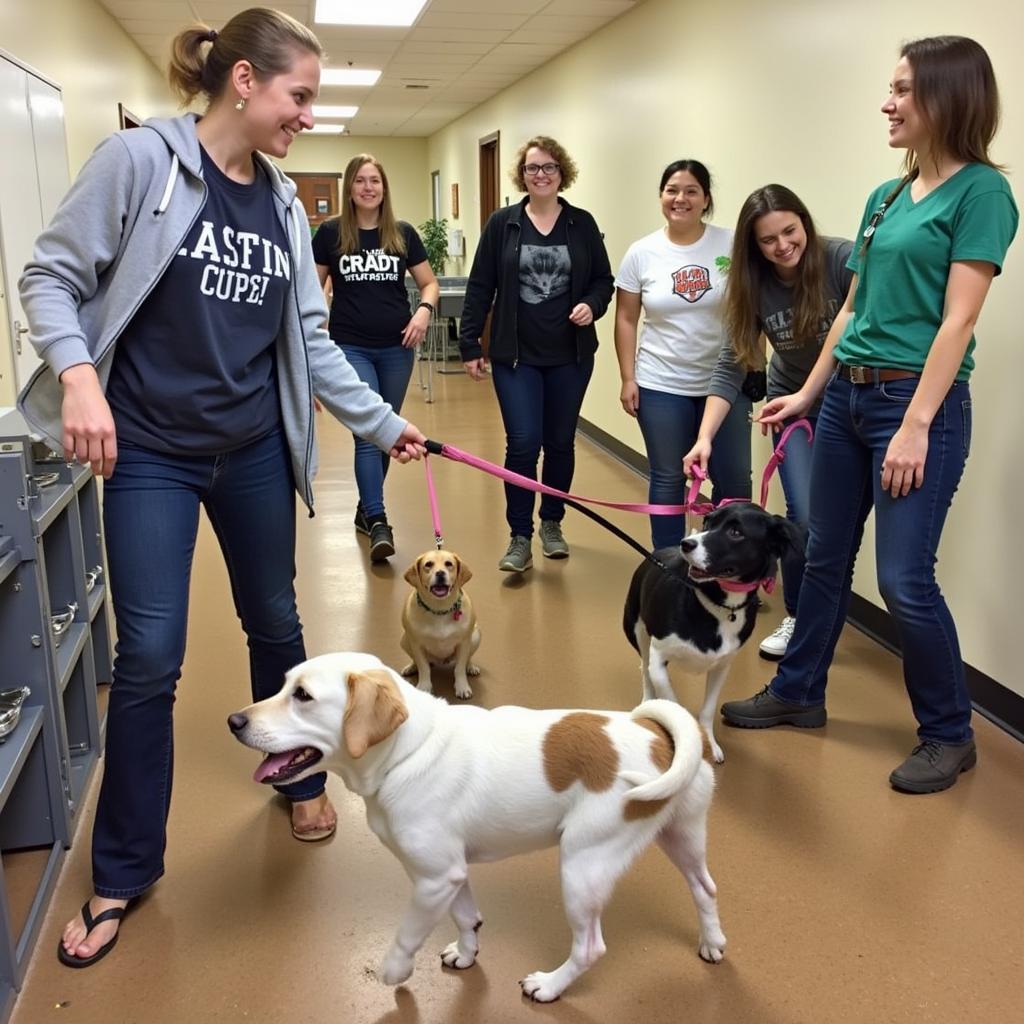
933	766
552	543
764	710
518	558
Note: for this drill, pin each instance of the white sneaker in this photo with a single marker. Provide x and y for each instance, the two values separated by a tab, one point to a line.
774	647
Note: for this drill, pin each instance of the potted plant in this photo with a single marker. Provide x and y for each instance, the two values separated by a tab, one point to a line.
434	234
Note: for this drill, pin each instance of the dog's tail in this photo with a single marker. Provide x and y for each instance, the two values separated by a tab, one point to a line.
686	738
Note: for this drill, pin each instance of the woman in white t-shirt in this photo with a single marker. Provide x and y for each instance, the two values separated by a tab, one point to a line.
677	277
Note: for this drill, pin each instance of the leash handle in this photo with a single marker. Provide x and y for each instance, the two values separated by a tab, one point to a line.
779	454
432	496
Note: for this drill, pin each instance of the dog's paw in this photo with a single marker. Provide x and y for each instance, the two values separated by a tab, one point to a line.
424	685
462	690
540	987
397	967
717	753
712	950
409	670
452	956
472	670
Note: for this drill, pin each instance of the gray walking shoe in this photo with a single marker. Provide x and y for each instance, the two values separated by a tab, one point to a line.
552	543
360	523
764	709
382	542
518	558
934	766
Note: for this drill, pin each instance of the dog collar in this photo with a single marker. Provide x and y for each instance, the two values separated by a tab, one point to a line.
744	588
455	610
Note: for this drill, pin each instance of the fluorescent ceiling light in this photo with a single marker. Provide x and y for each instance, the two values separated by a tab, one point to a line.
326	129
322	110
359	12
348	76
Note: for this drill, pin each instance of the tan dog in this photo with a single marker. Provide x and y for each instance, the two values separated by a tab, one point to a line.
438	621
446	786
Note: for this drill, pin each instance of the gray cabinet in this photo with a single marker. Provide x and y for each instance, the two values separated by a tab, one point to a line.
55	638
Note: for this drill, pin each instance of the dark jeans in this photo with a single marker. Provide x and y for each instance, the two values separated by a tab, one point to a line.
540	406
795	475
151	516
669	425
387	371
855	425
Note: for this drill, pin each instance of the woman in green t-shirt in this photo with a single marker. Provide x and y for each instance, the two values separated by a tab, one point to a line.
895	423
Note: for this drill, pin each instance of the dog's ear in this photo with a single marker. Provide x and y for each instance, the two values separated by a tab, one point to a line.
465	574
412	574
787	538
374	710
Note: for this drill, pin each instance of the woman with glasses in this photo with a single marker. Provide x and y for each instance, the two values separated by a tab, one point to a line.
676	276
786	284
543	266
895	424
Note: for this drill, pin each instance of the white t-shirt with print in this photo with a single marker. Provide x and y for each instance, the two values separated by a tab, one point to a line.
682	290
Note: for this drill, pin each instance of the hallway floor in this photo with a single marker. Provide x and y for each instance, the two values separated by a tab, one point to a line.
842	900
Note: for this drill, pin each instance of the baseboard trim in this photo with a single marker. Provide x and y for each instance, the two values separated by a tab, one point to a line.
999	704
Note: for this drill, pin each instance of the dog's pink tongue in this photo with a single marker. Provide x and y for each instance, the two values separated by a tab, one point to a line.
272	764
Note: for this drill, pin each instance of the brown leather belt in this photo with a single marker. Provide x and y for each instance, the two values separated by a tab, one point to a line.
873	374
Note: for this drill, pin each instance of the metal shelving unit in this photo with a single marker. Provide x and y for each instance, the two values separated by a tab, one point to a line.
55	638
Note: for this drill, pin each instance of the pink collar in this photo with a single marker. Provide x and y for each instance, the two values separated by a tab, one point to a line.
745	588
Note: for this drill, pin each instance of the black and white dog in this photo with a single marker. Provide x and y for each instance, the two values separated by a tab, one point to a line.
698	606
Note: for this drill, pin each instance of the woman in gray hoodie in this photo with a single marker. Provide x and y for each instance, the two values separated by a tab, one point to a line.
175	303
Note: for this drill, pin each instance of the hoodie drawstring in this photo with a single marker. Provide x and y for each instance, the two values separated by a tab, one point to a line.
172	177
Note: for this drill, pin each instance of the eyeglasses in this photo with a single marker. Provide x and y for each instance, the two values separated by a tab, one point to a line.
534	169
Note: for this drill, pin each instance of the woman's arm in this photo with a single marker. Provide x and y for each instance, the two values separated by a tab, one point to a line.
597	294
966	290
788	406
627	314
716	409
430	291
480	289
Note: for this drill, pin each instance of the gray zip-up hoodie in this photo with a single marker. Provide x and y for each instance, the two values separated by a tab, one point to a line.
109	243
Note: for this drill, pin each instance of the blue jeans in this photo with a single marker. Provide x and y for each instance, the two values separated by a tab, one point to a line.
540	406
855	425
151	516
795	476
669	426
387	371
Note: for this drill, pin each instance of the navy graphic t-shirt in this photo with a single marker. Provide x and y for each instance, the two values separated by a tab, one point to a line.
194	371
546	335
370	306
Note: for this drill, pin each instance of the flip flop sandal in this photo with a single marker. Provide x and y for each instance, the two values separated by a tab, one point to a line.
314	835
113	914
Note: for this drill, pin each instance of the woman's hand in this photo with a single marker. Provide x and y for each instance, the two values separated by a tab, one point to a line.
416	329
87	423
476	368
629	396
581	315
411	444
786	407
699	453
903	465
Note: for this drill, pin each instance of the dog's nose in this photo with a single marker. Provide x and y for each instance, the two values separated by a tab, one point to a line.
236	722
687	544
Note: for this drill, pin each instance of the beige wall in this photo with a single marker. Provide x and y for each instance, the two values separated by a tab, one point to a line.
784	92
404	160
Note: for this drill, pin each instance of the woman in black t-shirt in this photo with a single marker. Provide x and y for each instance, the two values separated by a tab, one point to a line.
365	252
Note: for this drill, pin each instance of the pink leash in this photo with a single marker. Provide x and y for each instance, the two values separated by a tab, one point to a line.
701	508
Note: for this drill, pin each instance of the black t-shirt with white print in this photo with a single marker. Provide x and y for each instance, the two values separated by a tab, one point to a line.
546	335
370	305
194	371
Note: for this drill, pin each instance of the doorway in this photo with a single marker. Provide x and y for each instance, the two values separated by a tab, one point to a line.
318	194
490	176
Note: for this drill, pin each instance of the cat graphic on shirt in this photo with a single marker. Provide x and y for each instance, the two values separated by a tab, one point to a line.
543	272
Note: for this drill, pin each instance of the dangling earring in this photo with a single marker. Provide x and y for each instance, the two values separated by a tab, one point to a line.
240	105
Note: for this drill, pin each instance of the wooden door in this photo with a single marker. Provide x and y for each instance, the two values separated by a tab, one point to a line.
490	199
318	194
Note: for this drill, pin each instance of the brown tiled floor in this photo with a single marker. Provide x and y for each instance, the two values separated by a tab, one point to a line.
842	900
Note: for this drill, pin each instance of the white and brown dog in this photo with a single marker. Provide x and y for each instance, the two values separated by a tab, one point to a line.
601	785
438	622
